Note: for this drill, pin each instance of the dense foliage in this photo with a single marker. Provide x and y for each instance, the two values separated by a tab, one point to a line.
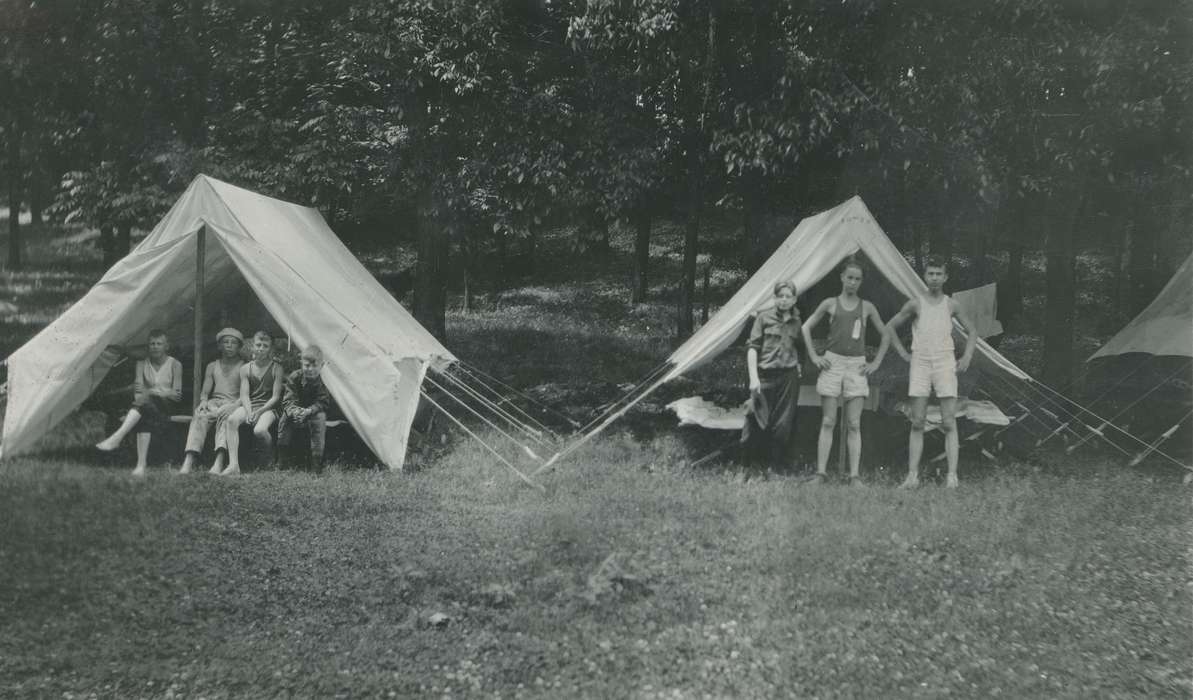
469	127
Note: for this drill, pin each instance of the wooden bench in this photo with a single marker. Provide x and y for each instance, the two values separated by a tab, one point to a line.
185	419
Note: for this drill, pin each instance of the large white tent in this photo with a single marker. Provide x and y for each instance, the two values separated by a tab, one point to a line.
812	251
311	285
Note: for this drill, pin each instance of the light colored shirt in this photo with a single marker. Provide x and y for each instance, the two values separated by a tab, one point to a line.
932	332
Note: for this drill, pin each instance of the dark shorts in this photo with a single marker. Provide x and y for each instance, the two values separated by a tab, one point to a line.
155	413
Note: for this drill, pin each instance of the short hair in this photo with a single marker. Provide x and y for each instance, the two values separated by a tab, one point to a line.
779	286
854	263
157	333
313	352
263	335
936	261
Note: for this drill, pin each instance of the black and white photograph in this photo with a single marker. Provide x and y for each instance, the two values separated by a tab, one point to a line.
656	349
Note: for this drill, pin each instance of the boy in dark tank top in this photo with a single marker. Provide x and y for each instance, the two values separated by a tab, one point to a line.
843	366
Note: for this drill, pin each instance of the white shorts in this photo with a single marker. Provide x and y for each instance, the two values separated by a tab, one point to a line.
936	371
843	377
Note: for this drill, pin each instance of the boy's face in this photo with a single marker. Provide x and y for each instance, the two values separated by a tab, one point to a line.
311	367
851	280
261	348
785	299
229	346
935	277
158	346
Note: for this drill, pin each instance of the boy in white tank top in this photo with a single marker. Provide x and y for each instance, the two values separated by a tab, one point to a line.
933	365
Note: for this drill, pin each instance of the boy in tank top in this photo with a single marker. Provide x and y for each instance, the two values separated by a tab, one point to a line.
260	395
843	366
218	398
933	365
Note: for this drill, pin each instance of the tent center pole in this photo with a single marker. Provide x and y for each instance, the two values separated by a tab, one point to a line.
200	276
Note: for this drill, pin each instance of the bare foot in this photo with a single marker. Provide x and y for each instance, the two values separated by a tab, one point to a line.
139	470
911	482
952	482
855	480
107	445
232	470
216	468
186	468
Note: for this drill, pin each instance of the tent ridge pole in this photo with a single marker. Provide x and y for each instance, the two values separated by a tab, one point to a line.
200	278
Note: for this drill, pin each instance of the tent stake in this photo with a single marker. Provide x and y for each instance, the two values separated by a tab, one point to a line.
200	275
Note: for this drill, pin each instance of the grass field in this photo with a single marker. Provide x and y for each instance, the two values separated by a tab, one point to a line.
634	575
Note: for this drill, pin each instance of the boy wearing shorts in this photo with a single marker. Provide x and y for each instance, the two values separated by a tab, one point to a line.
843	366
933	365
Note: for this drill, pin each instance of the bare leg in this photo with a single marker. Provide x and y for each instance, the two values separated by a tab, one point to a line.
218	465
263	438
142	453
113	441
915	441
232	439
828	424
853	434
952	446
188	462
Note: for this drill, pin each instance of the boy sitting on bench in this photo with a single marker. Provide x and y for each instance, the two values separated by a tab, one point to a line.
304	404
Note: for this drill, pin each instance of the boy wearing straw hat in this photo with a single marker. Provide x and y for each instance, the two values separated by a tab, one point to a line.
217	400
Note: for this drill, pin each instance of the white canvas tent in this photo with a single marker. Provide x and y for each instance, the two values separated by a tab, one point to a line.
1151	358
310	284
812	251
1165	327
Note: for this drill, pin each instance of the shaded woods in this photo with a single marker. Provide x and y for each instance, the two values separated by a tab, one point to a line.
464	129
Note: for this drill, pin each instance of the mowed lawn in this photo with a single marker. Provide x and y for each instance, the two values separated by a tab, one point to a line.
633	576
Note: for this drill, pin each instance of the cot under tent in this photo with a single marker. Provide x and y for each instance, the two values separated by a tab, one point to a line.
814	250
224	255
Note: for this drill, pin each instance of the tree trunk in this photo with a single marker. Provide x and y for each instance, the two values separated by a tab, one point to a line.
642	221
1142	260
752	222
699	64
1010	296
430	292
14	197
197	110
124	240
37	196
980	259
1061	301
107	244
1121	269
691	239
917	241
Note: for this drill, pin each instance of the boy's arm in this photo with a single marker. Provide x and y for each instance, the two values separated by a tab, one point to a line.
245	401
176	386
276	396
892	327
971	336
872	313
208	382
806	330
322	399
290	397
755	345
